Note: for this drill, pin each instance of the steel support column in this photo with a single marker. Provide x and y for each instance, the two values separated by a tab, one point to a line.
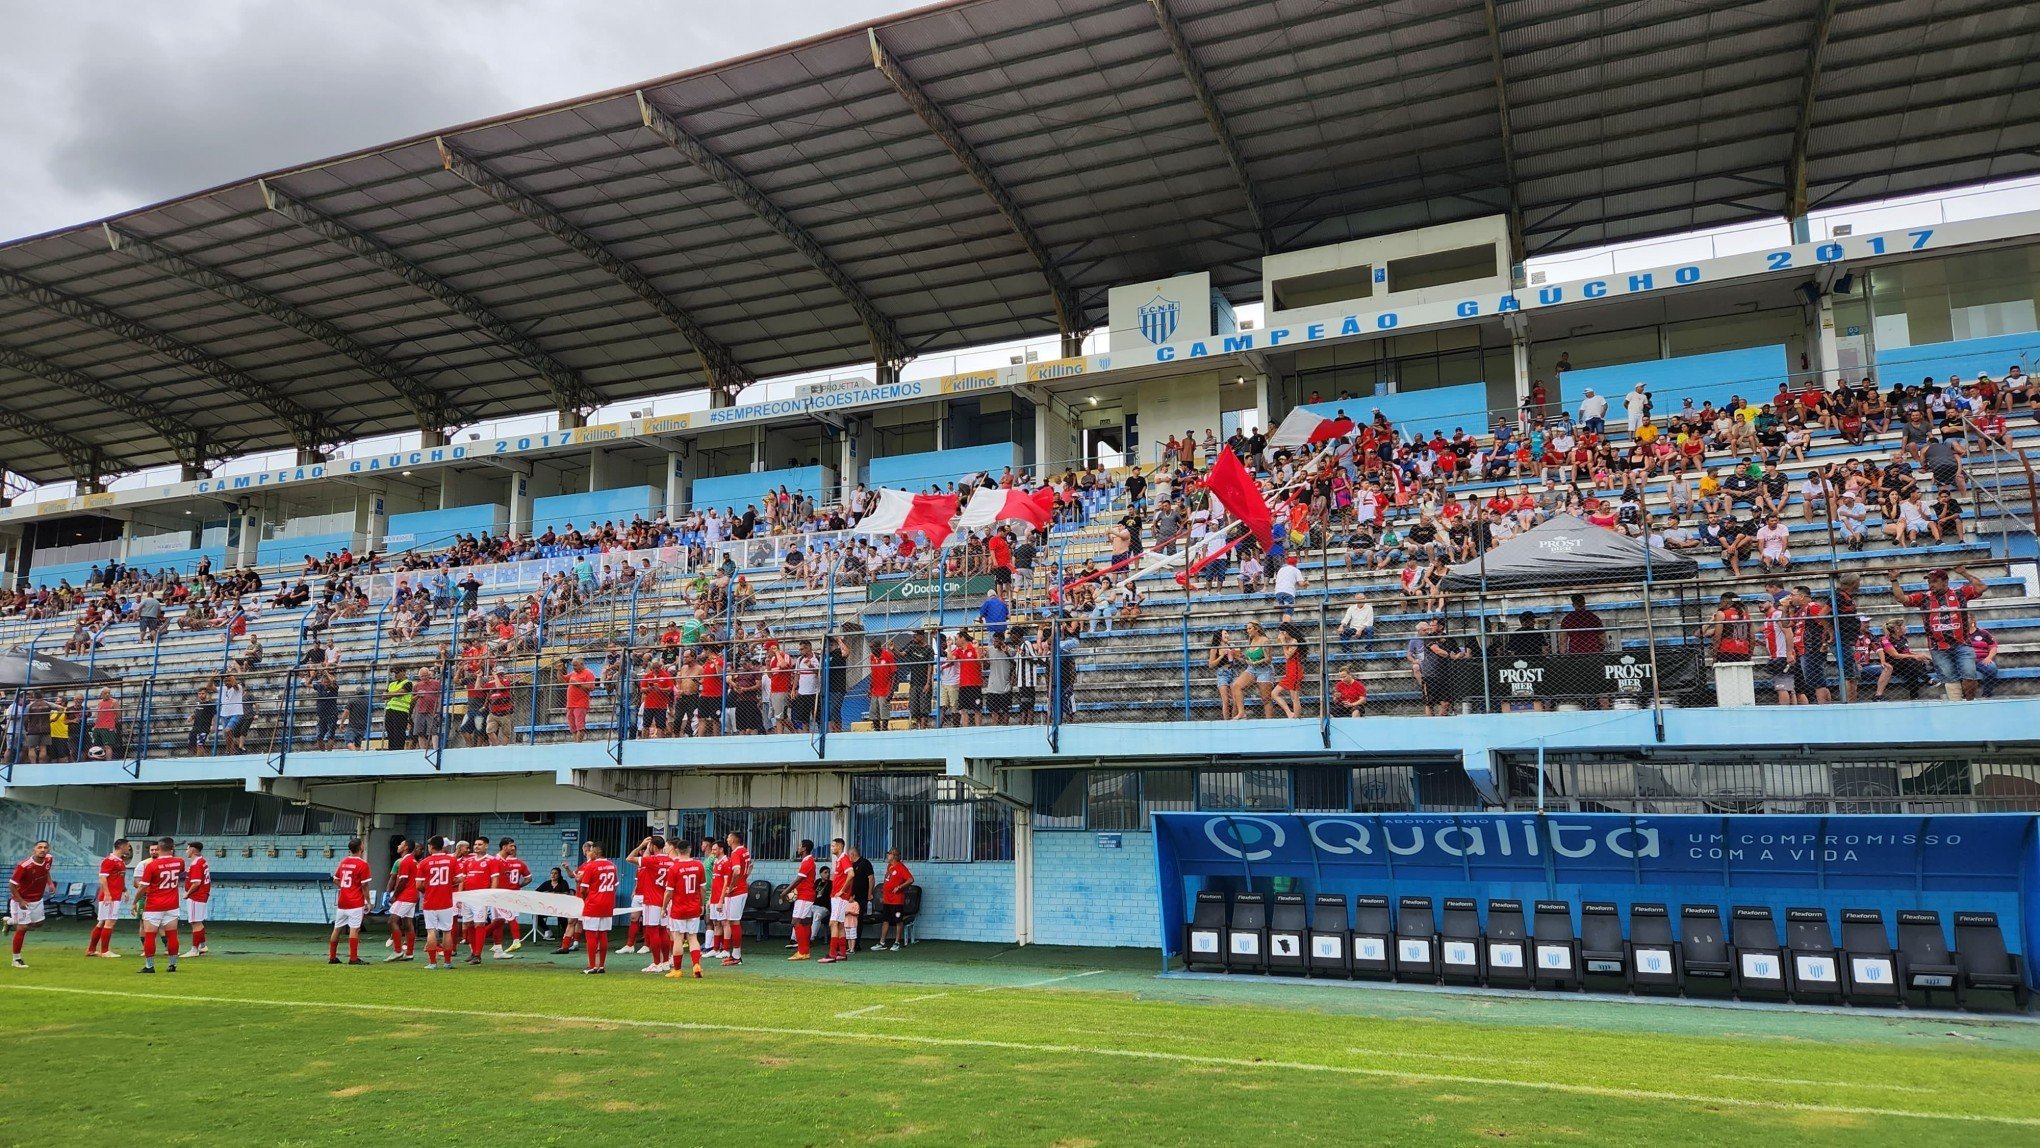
1200	87
186	440
1795	160
569	390
724	373
1063	296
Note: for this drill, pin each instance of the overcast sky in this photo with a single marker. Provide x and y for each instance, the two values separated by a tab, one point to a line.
107	107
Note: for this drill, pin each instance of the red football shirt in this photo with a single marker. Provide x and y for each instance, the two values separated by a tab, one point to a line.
804	881
840	878
597	886
740	869
162	879
467	872
719	880
406	882
198	880
436	881
897	878
350	883
516	874
492	872
115	871
711	676
683	882
32	877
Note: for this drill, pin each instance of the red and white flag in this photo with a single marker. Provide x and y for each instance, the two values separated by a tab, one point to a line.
988	506
1303	427
898	512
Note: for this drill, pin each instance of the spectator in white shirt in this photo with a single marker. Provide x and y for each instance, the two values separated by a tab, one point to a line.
1593	412
1357	623
1288	581
1850	516
1636	405
1774	544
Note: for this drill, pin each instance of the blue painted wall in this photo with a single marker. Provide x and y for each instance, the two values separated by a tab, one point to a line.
1753	373
736	491
1963	357
918	472
292	551
431	528
1439	408
596	507
182	561
1084	895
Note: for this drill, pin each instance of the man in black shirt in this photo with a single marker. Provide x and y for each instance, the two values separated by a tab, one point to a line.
917	657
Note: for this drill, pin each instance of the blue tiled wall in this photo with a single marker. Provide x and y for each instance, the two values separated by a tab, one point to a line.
1963	357
918	472
1084	895
295	902
1753	373
429	529
737	491
1436	408
595	507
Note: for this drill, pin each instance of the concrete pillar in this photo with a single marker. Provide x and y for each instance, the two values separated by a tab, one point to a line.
519	501
1519	357
1823	354
371	519
448	498
846	469
429	437
246	550
1264	402
127	538
571	419
677	484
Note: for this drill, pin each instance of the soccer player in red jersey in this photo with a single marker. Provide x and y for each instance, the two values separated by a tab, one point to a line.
892	900
651	861
736	891
842	904
436	875
471	872
684	879
644	896
26	888
159	889
197	893
107	902
803	901
350	903
403	904
511	873
489	929
718	886
595	881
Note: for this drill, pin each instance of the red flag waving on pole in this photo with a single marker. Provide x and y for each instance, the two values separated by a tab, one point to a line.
1235	490
988	506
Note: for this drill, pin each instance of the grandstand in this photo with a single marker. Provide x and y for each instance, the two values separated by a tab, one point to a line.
545	267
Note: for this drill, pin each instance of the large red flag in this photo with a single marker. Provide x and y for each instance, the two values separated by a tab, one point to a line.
899	512
1236	490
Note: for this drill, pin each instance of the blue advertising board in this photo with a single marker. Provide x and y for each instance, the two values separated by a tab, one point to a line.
1949	863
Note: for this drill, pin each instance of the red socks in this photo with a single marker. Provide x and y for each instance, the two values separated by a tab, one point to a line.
630	939
333	947
800	937
92	943
19	935
149	945
736	938
198	936
353	946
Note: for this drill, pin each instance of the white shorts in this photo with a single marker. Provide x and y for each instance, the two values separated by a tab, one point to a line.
110	910
154	919
685	926
597	924
651	916
839	908
404	909
474	914
195	911
439	920
348	918
506	915
802	910
715	912
25	914
733	907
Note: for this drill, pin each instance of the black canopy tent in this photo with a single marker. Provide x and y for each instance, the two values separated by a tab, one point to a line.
19	667
1568	551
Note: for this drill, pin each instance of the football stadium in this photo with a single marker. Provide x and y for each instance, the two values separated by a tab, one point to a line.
1565	667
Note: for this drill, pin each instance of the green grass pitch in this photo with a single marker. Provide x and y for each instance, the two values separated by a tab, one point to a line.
264	1043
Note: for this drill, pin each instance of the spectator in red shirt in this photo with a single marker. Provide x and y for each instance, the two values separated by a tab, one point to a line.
892	901
970	678
1946	613
884	676
657	686
1350	693
1582	629
579	681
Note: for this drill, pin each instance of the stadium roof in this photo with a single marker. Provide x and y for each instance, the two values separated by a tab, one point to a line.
968	173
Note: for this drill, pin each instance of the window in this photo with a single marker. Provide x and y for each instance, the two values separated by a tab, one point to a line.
1059	798
1114	800
927	818
1166	791
1257	790
1322	788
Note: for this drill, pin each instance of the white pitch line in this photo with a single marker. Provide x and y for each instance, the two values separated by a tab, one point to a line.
1442	1056
1066	1050
1038	984
928	997
1824	1083
858	1011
